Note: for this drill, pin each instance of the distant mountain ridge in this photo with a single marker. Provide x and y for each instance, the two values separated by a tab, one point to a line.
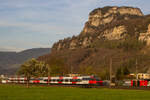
10	61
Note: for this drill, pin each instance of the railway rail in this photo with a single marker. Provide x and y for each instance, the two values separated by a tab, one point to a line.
79	86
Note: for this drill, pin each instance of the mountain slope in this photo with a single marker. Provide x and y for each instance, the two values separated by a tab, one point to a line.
10	61
118	33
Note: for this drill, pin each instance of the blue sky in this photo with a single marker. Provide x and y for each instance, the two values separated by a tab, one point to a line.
28	24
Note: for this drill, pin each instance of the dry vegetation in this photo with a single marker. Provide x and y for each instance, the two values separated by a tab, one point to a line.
96	57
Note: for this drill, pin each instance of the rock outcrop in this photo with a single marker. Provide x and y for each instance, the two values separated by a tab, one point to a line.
106	15
102	16
148	31
115	33
145	36
108	23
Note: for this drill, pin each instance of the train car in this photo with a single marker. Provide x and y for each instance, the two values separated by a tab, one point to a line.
81	80
14	80
127	83
61	80
36	80
137	83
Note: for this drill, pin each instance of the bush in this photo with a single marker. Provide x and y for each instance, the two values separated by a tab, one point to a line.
131	44
126	44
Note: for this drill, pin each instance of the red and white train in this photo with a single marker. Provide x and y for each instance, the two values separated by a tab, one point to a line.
137	83
77	80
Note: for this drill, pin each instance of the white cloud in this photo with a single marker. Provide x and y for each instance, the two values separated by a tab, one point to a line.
20	48
11	49
40	28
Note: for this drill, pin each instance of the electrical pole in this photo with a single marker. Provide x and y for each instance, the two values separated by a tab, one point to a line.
71	69
110	71
136	70
48	73
71	61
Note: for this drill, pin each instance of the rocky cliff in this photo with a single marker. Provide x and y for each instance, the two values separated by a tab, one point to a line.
102	16
108	23
145	36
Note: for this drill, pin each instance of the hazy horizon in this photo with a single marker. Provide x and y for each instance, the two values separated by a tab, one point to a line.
26	24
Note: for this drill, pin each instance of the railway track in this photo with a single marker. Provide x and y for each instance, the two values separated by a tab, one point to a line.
99	87
127	87
79	86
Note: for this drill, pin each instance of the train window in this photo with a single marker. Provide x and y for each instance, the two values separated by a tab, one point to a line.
78	80
39	79
66	80
53	80
47	80
59	80
97	79
74	80
87	79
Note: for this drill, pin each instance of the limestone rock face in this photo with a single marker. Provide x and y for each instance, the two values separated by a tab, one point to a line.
130	11
86	41
148	31
108	23
145	36
102	16
116	33
73	44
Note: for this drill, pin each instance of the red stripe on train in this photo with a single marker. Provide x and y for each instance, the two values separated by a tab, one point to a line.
92	82
18	79
60	78
143	82
49	78
36	81
74	79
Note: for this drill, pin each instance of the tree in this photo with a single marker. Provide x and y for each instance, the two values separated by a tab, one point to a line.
42	69
57	66
88	70
103	74
119	74
122	73
126	71
27	69
34	68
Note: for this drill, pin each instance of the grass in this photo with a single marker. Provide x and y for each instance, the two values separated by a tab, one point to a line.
13	92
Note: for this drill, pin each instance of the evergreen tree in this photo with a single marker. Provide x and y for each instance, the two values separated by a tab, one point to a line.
119	74
126	71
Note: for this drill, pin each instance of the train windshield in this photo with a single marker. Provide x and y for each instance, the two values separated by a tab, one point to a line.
87	78
92	78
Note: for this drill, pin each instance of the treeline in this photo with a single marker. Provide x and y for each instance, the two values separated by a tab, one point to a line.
35	68
128	44
94	60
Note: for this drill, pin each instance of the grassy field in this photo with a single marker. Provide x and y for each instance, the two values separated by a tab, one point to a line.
13	92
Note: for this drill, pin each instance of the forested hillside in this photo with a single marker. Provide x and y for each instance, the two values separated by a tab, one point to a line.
118	33
11	61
